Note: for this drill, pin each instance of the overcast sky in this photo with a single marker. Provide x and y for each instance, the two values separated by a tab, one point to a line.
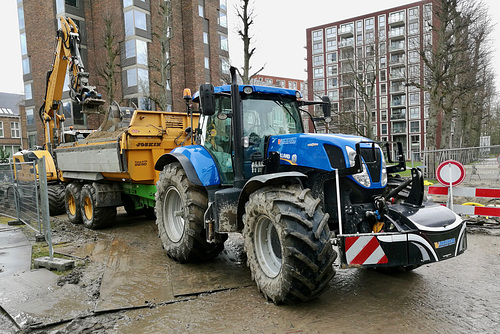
279	32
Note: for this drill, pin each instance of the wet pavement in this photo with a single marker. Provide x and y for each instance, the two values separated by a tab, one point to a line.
126	284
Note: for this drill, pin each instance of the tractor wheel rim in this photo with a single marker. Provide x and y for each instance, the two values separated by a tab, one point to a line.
71	205
88	208
268	247
172	210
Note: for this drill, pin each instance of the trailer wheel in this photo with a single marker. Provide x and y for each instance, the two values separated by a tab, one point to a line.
56	196
129	206
72	202
287	244
180	207
95	217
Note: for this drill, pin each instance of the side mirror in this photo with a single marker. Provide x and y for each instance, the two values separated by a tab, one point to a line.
327	106
207	99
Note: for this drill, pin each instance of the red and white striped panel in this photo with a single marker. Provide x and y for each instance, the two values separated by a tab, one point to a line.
364	250
467	192
471	210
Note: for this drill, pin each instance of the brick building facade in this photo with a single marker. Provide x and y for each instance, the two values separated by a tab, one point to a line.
192	48
13	136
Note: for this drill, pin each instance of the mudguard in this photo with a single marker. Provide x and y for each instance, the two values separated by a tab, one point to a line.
197	162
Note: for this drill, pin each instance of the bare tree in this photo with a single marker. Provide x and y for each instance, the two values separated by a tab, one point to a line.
110	68
247	15
161	63
449	78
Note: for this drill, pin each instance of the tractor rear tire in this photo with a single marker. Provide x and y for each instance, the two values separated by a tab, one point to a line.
95	217
287	243
56	196
180	208
72	202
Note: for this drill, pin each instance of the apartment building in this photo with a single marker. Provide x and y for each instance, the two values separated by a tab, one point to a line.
369	67
12	124
193	45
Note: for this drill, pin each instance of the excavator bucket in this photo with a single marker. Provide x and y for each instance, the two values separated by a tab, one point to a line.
91	105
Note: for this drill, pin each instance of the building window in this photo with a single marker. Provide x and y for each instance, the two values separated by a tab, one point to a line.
26	66
331	57
134	19
201	11
415	127
138	77
224	46
72	3
383	102
318	47
414	28
383	128
414	42
1	129
318	72
413	13
20	15
15	130
137	48
331	44
318	60
223	19
207	63
318	85
414	99
24	47
369	23
317	35
383	75
28	94
333	95
126	3
383	89
332	83
331	32
30	119
223	4
332	70
205	38
414	113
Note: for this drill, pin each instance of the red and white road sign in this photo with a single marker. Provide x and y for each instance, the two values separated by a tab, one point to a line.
450	171
364	250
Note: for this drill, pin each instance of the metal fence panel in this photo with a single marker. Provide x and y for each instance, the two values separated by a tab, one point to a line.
482	164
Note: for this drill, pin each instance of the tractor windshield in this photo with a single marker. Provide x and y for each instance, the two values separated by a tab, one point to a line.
270	115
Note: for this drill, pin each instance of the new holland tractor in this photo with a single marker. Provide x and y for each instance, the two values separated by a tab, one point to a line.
300	199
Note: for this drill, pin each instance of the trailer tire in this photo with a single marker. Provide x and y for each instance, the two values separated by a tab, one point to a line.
180	208
286	237
72	202
95	217
56	196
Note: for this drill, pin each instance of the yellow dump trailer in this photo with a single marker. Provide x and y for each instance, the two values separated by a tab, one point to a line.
114	168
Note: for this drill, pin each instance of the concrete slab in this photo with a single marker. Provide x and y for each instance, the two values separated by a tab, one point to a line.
53	264
34	297
15	251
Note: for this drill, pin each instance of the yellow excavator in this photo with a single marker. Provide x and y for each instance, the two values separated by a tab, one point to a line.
66	55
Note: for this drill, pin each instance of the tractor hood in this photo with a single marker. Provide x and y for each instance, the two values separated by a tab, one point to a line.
325	152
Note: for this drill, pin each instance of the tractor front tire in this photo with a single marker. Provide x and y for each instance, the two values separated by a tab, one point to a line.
286	237
72	202
95	217
180	208
56	199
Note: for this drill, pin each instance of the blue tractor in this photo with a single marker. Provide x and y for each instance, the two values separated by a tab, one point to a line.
301	200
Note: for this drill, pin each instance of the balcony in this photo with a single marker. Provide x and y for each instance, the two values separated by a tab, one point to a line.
397	19
397	34
345	31
398	115
398	89
397	75
398	101
398	128
346	43
397	60
397	47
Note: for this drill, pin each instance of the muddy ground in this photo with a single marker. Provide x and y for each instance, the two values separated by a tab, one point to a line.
124	283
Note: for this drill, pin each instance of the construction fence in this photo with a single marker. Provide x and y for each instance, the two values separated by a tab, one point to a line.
23	195
482	164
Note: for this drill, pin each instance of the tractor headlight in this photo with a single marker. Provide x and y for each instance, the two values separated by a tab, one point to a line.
363	178
384	170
